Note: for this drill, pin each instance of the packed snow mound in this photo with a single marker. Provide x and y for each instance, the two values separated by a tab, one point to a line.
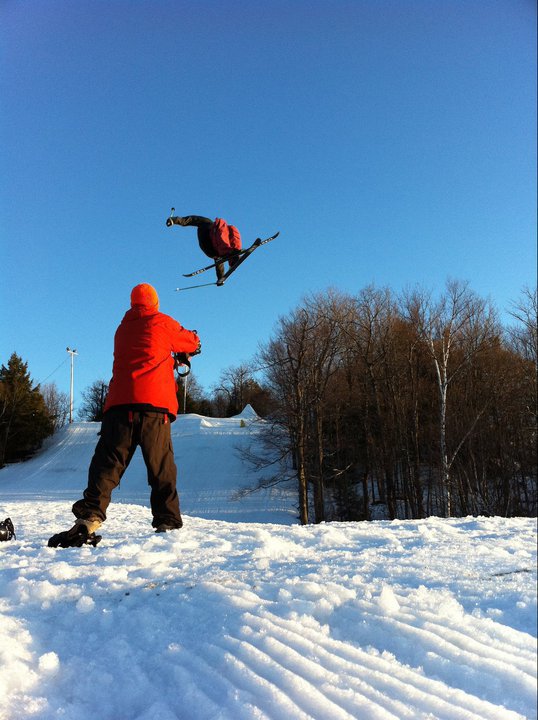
248	413
418	620
421	619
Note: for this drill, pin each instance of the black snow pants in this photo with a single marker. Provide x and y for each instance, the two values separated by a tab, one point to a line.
203	232
122	431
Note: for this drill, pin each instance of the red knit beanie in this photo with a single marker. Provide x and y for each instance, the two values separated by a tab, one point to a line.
146	295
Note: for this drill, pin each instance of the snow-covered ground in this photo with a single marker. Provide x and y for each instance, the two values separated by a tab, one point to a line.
244	614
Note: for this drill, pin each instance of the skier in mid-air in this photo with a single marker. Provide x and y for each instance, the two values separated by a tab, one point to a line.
217	239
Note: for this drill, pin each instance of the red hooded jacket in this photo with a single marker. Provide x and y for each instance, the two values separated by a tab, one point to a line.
143	369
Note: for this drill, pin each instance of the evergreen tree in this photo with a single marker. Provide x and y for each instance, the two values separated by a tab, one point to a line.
24	418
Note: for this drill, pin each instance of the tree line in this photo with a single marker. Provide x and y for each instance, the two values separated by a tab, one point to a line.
404	406
375	405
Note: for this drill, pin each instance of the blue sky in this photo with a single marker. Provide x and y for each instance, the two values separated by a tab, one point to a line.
390	142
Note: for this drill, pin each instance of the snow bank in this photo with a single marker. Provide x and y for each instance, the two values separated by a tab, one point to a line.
416	619
241	620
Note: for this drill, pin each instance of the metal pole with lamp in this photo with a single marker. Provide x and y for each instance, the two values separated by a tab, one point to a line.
72	353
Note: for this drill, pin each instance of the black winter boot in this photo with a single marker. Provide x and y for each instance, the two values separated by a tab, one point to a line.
165	527
76	537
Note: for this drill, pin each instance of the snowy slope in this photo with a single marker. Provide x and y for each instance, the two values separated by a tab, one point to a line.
239	620
210	470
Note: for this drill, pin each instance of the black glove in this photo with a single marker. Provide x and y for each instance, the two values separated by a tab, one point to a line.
174	220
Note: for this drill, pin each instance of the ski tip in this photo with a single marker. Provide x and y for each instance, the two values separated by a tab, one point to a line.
261	241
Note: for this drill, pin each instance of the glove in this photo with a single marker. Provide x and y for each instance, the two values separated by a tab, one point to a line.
174	220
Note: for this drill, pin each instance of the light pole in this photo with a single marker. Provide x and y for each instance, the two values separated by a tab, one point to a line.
72	353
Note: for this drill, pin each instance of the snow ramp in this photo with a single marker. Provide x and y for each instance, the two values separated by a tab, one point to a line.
208	454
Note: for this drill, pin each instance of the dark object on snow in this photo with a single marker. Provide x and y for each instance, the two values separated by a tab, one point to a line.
166	527
7	531
76	537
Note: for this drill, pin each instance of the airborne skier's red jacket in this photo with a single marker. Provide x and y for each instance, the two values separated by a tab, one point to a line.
143	369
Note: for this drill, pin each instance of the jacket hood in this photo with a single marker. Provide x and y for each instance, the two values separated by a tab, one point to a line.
140	311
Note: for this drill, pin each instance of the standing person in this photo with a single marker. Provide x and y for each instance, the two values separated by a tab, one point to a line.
216	238
140	405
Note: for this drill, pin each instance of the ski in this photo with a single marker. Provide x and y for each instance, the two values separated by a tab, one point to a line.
208	267
255	244
243	255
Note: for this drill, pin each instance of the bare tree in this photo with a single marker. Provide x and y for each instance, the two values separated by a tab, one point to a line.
285	358
454	329
524	337
525	334
369	331
237	387
300	361
57	404
417	403
93	401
